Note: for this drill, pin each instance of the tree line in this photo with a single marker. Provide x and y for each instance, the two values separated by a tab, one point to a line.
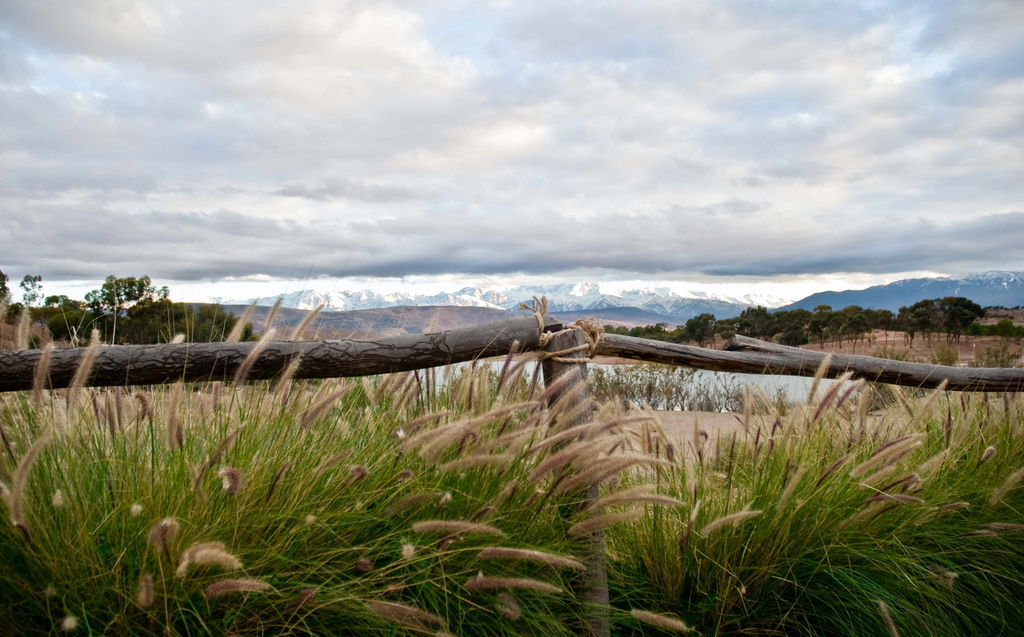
125	310
952	316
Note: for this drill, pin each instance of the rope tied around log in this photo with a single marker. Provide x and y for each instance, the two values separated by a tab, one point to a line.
591	329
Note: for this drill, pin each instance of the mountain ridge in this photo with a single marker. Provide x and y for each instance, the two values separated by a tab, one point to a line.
660	304
990	288
567	297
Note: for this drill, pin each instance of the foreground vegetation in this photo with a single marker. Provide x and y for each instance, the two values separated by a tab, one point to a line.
405	505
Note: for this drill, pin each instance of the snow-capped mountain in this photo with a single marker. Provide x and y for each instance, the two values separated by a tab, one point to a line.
567	297
984	288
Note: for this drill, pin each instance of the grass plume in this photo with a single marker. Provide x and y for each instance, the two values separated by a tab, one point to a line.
541	557
664	622
224	587
481	583
19	483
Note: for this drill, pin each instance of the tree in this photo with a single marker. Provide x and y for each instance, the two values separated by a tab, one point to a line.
836	327
920	317
118	294
726	329
66	318
5	293
31	289
880	319
756	322
701	329
117	298
818	324
856	327
957	313
792	327
1005	329
201	323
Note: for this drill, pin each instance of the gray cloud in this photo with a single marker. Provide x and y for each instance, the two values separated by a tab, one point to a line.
193	140
350	189
222	244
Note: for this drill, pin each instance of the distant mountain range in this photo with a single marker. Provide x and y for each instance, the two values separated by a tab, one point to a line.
987	289
569	297
358	311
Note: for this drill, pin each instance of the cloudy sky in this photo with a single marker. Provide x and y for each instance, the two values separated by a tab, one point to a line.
783	145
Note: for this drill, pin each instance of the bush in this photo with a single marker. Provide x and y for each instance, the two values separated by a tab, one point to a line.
946	355
997	356
666	387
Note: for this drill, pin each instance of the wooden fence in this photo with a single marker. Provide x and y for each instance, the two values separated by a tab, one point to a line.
122	365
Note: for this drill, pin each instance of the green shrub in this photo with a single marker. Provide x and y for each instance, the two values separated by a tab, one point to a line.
997	356
946	355
666	387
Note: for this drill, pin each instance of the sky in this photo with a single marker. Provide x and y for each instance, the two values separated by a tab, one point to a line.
231	149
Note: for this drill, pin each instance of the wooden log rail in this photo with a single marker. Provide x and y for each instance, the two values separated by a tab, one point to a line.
752	356
196	362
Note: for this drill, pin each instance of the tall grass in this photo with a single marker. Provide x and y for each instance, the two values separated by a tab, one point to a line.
808	524
337	507
407	505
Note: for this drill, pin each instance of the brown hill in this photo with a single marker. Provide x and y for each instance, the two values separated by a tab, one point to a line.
388	321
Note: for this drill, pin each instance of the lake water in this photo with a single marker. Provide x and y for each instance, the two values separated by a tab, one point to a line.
795	388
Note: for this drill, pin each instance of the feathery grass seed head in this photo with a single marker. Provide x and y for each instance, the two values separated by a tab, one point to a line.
597	522
39	376
664	622
642	494
888	454
444	500
254	353
231	480
507	606
84	368
356	473
19	482
207	553
481	583
982	533
229	586
728	520
454	526
144	597
883	609
986	455
529	555
404	615
1005	526
364	565
1008	485
236	330
163	533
